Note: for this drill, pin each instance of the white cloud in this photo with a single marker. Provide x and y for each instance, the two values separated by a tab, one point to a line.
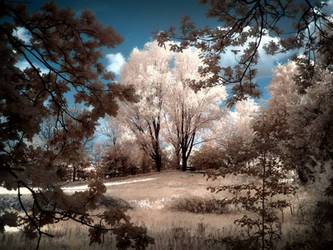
23	34
266	63
23	64
328	10
115	61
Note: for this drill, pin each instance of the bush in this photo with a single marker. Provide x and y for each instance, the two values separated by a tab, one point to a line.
200	205
10	202
208	157
114	202
124	160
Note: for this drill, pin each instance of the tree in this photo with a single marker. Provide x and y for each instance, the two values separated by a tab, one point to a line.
69	47
303	103
175	109
111	128
310	121
188	112
309	145
148	71
265	192
294	132
234	124
227	137
77	156
309	148
125	158
243	24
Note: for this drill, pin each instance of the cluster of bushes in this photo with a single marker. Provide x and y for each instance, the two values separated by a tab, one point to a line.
123	160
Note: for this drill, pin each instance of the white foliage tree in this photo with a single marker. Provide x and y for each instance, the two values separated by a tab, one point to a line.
148	71
189	113
307	114
168	107
235	125
282	88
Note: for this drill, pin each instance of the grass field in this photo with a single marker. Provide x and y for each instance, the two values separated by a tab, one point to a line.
153	199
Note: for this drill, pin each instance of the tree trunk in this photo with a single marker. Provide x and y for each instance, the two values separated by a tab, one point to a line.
156	156
74	174
158	162
176	157
184	161
177	161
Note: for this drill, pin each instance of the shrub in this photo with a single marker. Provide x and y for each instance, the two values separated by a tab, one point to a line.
114	202
200	205
123	160
208	157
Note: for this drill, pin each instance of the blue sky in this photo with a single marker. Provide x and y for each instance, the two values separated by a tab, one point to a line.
136	20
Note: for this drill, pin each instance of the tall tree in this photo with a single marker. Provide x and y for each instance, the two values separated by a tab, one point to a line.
69	47
234	124
148	72
188	112
227	136
303	103
263	193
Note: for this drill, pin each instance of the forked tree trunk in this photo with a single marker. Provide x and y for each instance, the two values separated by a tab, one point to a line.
186	148
157	154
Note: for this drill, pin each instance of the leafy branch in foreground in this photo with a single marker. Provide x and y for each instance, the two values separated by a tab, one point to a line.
243	29
62	53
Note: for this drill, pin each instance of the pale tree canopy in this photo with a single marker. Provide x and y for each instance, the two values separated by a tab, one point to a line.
148	72
282	87
234	124
306	114
168	110
189	112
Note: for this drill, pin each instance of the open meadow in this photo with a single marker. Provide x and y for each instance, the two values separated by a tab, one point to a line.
174	206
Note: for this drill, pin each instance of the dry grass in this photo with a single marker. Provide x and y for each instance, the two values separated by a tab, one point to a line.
170	184
72	236
172	229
